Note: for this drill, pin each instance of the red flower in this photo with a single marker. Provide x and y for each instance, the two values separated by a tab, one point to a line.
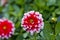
6	28
32	22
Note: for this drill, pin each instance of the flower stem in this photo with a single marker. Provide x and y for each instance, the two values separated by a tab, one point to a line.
35	36
53	28
5	39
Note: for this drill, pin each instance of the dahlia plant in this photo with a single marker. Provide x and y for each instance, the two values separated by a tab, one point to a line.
6	28
32	22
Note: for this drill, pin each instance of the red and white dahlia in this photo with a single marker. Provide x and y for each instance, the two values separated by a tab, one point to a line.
32	22
6	28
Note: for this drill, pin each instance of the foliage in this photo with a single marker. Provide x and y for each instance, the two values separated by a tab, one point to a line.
50	10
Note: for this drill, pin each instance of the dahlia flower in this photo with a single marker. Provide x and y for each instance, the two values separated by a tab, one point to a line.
32	22
6	28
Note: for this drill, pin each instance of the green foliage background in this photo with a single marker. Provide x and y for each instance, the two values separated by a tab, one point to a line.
50	10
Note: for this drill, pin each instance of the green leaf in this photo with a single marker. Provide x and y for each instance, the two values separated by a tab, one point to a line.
57	28
46	17
51	2
40	3
57	11
17	24
6	15
58	37
19	37
58	2
48	31
11	8
25	35
10	1
20	2
1	9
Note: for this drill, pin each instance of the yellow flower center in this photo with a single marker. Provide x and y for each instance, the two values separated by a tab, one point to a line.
31	20
4	27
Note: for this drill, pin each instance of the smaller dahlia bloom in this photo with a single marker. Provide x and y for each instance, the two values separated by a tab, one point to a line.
3	2
6	28
32	22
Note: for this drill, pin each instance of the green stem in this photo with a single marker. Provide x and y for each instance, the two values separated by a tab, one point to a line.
53	28
35	36
4	39
53	14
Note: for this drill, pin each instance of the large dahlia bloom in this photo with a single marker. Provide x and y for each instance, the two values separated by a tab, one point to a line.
32	22
6	28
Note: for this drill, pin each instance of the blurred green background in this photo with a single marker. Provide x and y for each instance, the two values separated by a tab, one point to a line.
50	10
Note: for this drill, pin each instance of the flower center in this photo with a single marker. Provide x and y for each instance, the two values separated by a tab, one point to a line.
31	21
4	27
